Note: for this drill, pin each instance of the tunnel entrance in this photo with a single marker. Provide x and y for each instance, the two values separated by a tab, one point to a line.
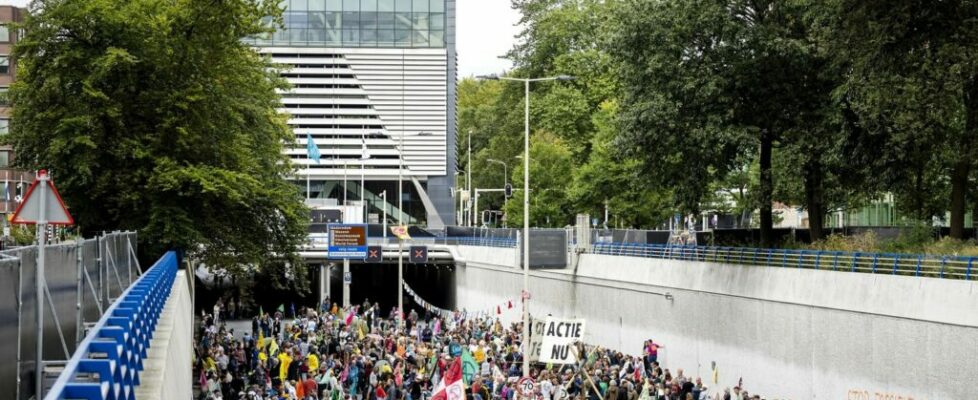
378	284
374	282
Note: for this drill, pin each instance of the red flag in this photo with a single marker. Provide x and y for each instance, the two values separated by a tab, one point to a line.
499	310
510	304
451	386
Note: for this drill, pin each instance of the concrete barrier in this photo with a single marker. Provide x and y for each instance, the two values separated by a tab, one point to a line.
788	333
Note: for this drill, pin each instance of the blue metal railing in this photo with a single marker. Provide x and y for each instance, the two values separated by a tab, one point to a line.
107	363
948	267
482	241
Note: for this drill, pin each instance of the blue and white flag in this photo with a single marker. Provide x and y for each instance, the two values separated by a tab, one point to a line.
312	149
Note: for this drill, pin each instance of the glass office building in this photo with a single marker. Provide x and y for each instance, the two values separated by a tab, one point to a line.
368	76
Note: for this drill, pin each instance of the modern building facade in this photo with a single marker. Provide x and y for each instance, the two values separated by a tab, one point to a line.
368	76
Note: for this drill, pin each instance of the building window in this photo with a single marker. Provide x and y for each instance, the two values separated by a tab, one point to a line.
4	126
4	159
4	33
4	64
4	100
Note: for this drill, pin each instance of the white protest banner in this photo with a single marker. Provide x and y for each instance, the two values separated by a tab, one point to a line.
536	338
559	336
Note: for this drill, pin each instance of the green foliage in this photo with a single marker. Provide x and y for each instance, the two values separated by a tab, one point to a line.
23	235
706	84
918	239
912	87
550	166
155	115
731	106
607	178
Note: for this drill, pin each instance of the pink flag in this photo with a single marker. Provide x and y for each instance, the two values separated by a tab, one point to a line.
437	329
203	380
349	317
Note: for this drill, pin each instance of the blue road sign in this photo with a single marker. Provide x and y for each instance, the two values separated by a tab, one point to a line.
347	241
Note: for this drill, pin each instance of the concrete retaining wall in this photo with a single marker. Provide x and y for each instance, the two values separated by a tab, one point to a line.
789	333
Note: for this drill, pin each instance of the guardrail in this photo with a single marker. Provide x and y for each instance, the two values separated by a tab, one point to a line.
948	267
107	362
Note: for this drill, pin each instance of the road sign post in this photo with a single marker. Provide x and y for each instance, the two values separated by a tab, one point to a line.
401	231
42	205
347	241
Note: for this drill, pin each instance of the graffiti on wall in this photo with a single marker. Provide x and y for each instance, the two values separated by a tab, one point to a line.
857	394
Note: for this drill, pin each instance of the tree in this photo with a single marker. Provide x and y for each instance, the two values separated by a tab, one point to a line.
610	180
562	37
705	80
912	86
550	167
156	116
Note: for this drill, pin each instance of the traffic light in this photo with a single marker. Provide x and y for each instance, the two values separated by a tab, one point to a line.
508	190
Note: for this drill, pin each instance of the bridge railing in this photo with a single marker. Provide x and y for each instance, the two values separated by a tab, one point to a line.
481	241
108	361
948	267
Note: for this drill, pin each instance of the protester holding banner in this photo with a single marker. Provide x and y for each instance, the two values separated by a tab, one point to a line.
358	354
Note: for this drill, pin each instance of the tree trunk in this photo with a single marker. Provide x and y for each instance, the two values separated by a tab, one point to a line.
962	168
813	197
766	190
959	186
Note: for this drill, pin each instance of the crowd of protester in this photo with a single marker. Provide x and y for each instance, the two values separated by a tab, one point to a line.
361	354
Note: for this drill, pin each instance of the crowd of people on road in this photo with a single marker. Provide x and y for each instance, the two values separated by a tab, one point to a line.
360	353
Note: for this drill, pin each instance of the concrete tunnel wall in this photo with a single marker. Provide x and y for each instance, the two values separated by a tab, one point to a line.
789	333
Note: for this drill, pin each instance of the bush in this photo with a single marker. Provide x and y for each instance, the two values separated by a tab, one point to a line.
918	239
864	243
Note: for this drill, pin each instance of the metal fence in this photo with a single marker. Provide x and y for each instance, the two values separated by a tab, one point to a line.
110	357
948	267
82	278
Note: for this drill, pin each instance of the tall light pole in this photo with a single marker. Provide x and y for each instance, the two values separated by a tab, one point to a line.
505	178
468	180
526	205
400	220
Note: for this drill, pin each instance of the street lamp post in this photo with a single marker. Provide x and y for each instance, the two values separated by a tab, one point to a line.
526	205
400	220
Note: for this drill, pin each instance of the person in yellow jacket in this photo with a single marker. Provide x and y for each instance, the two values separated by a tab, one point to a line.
284	359
312	361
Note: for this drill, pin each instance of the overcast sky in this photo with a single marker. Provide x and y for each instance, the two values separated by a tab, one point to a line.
485	32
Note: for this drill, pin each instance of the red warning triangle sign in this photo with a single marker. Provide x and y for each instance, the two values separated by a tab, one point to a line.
54	210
